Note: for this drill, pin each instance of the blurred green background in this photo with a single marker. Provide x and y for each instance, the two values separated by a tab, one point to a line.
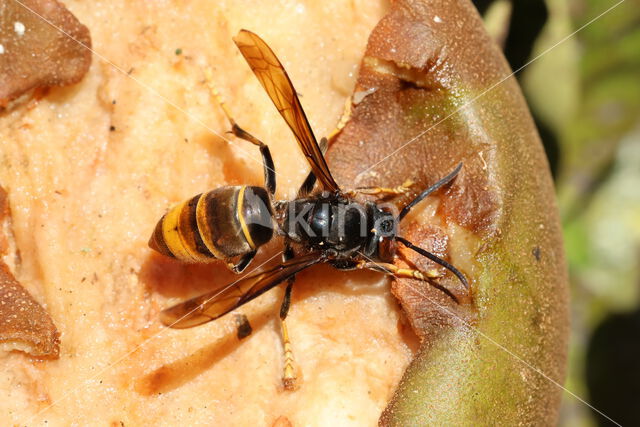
584	94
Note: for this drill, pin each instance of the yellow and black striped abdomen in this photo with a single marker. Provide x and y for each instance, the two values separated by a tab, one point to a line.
220	224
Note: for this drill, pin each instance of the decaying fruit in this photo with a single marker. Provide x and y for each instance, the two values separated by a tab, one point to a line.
141	138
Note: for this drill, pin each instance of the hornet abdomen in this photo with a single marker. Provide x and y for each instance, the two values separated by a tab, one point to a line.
220	224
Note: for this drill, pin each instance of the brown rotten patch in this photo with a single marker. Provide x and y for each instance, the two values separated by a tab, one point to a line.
24	324
43	45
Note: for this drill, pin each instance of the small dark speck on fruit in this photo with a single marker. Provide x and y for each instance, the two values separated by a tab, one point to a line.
244	327
112	128
536	253
179	51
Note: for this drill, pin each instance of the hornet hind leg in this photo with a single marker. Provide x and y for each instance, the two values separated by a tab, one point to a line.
289	376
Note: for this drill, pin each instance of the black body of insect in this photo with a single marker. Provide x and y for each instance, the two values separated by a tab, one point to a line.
322	224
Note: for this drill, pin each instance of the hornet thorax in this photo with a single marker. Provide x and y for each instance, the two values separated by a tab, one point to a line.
339	226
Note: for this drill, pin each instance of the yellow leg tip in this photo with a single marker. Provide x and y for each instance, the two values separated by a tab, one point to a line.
213	90
289	376
433	273
290	384
290	380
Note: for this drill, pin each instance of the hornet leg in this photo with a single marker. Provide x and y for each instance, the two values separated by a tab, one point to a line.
267	160
346	115
408	273
289	377
242	262
310	181
383	191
